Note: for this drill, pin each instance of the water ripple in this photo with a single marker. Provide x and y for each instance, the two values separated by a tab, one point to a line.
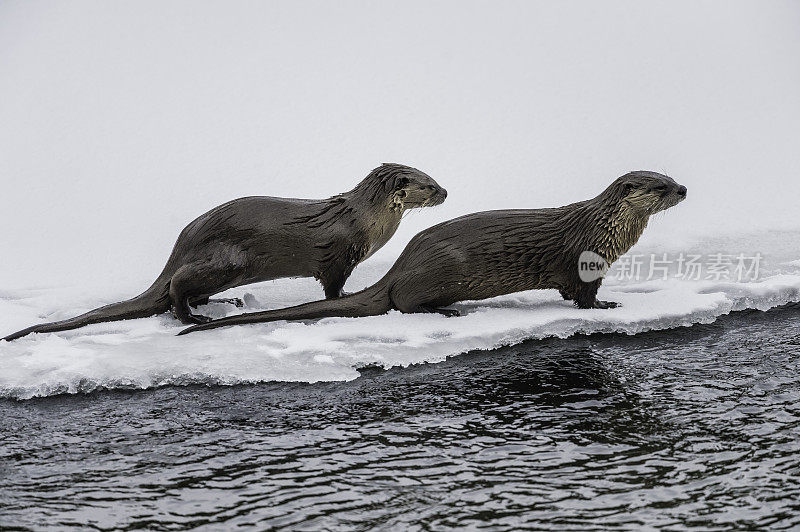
689	428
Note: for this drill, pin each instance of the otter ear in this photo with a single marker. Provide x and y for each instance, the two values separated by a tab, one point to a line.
397	199
627	188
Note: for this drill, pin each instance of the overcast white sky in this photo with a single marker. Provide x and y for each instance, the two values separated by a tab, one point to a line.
122	121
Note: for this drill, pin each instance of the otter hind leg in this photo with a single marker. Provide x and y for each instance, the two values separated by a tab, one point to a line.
181	306
418	291
192	284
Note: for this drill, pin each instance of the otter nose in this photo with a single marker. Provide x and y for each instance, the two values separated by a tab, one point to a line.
443	192
682	191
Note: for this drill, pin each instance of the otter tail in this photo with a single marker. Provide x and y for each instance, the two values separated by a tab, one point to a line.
371	301
153	301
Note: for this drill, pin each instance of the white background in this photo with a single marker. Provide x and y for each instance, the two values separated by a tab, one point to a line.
121	122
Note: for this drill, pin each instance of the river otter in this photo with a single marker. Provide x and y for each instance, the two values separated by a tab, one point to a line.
488	254
259	238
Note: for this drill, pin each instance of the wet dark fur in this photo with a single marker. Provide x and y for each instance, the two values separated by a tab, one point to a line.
259	238
492	253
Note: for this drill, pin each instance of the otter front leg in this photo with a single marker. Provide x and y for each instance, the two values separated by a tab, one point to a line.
335	288
587	297
333	282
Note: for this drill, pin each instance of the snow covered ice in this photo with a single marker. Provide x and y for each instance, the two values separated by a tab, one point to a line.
146	353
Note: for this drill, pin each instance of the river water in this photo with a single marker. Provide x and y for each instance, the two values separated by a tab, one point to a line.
692	427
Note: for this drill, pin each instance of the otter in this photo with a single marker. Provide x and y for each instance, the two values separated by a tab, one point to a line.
492	253
260	238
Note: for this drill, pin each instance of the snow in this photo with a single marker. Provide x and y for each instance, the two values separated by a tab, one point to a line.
146	353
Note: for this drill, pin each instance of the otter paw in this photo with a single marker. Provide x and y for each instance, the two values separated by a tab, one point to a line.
199	318
227	300
605	304
449	312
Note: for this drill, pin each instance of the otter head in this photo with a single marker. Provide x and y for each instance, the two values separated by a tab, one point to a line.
410	188
646	193
626	206
400	187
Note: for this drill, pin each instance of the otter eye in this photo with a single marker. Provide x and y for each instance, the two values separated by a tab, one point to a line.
660	188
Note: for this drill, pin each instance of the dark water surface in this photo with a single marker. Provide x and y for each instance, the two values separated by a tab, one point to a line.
693	427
